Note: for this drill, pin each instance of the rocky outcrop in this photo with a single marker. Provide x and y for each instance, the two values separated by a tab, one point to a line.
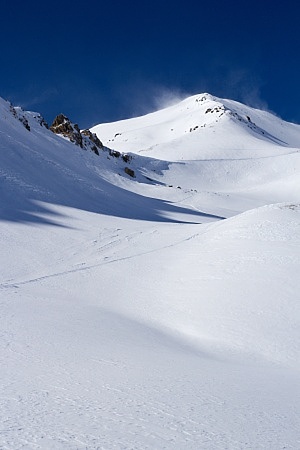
92	138
84	139
63	126
87	140
27	117
129	172
19	114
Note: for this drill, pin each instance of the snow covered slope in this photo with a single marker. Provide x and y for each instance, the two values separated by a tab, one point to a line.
155	311
38	166
202	127
215	150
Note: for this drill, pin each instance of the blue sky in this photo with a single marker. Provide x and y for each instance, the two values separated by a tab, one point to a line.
100	61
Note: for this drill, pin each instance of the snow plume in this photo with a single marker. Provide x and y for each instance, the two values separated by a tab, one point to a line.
168	97
31	98
242	85
144	97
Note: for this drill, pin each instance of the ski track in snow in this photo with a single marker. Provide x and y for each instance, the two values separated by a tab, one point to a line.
112	245
126	323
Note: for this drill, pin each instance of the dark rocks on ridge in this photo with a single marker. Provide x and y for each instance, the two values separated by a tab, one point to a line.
84	139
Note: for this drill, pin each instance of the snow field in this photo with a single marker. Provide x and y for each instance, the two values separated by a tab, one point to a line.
161	313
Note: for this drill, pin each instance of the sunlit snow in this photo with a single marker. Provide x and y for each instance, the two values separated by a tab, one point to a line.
159	311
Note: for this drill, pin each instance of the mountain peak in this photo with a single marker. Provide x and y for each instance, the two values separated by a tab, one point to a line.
201	127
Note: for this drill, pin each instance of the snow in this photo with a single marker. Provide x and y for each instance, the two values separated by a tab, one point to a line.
202	127
160	311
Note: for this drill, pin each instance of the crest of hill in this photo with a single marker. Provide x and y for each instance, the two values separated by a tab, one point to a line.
202	127
58	164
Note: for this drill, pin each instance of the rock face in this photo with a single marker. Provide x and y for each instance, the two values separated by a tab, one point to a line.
26	117
85	139
62	125
93	138
129	172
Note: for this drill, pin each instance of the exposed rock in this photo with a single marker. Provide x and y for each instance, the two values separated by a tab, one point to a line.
62	125
93	138
19	114
129	172
25	123
84	139
40	119
194	128
114	153
126	158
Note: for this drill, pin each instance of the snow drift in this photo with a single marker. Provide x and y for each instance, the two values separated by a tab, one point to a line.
154	311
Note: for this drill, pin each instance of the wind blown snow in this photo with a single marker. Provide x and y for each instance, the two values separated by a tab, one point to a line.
154	311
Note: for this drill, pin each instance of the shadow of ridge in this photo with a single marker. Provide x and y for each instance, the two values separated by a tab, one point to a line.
118	202
101	198
32	212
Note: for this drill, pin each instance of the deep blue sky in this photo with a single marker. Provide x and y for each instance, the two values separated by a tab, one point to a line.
99	61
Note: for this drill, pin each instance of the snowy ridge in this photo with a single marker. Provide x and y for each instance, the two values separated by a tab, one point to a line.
155	311
202	127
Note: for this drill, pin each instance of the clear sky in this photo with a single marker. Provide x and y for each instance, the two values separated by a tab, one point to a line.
99	61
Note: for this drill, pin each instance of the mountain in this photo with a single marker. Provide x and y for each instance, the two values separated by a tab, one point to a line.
150	290
214	147
202	127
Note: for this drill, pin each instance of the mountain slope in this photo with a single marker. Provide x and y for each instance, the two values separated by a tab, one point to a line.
38	166
238	157
147	312
202	127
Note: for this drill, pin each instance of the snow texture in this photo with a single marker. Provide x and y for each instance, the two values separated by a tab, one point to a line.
159	311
